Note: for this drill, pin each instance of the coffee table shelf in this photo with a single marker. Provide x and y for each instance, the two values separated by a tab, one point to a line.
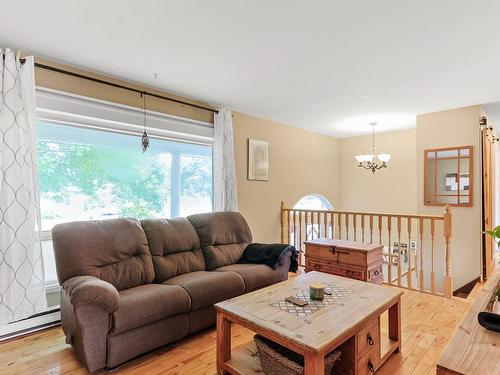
345	325
244	360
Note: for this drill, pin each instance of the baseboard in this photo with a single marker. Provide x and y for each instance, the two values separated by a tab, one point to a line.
464	291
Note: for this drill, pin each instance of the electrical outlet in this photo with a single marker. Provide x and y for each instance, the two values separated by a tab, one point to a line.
413	244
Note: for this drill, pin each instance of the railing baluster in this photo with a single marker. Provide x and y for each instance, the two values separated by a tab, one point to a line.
312	225
300	231
306	222
319	224
295	229
399	250
325	219
433	275
332	234
339	232
379	229
347	226
355	226
421	271
363	228
409	254
289	227
315	225
282	222
448	278
371	228
389	268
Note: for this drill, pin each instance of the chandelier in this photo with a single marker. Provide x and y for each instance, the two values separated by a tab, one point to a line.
373	162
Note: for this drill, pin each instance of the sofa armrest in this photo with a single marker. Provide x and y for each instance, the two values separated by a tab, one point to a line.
89	290
283	267
286	258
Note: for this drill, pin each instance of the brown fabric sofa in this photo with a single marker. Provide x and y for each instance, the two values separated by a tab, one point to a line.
128	287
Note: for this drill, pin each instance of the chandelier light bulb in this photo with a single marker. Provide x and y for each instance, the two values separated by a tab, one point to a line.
384	158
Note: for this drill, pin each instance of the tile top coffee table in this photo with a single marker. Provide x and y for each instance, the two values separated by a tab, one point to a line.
349	320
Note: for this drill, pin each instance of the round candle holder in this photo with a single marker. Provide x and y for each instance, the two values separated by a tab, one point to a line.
317	292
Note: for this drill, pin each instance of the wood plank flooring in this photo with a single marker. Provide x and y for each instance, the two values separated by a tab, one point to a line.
427	324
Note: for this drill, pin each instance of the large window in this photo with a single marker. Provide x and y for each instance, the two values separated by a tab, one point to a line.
93	174
91	165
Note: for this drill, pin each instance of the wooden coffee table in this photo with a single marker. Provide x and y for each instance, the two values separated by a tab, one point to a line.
351	323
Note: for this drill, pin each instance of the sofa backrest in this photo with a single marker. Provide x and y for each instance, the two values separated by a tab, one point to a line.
114	250
223	237
175	247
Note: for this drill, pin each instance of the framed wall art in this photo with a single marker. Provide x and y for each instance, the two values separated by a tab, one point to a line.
258	160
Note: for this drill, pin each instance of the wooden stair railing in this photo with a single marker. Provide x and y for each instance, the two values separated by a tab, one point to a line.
415	246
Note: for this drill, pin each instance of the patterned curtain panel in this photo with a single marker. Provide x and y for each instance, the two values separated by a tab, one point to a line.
22	290
225	198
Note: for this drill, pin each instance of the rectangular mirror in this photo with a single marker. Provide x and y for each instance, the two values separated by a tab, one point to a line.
448	176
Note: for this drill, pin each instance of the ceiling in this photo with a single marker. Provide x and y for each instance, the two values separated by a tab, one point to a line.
326	66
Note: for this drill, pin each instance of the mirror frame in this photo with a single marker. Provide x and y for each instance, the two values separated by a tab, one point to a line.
471	176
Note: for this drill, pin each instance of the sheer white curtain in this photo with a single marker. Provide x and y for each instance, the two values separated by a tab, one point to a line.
22	290
225	198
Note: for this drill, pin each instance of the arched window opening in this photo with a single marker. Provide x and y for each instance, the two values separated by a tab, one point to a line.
313	202
305	219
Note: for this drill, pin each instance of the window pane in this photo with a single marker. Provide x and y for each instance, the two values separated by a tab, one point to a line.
196	184
91	174
313	202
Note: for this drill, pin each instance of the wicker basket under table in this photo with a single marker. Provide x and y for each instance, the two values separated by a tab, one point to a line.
278	360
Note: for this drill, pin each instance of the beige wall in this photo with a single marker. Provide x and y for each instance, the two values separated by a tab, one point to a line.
457	127
389	190
300	163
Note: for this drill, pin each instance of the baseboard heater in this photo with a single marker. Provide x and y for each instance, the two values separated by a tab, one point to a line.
29	325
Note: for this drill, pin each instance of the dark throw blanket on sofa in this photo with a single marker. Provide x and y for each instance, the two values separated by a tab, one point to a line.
270	255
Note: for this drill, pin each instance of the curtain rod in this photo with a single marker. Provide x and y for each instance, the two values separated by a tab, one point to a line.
103	82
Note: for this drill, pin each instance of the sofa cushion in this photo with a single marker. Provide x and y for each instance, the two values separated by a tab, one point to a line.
223	236
114	250
146	304
254	275
174	246
206	288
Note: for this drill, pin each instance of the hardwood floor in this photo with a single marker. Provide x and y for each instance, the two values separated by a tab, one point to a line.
427	323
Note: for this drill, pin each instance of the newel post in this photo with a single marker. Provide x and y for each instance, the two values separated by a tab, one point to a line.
448	278
282	222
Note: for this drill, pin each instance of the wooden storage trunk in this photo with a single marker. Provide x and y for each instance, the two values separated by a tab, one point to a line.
355	260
